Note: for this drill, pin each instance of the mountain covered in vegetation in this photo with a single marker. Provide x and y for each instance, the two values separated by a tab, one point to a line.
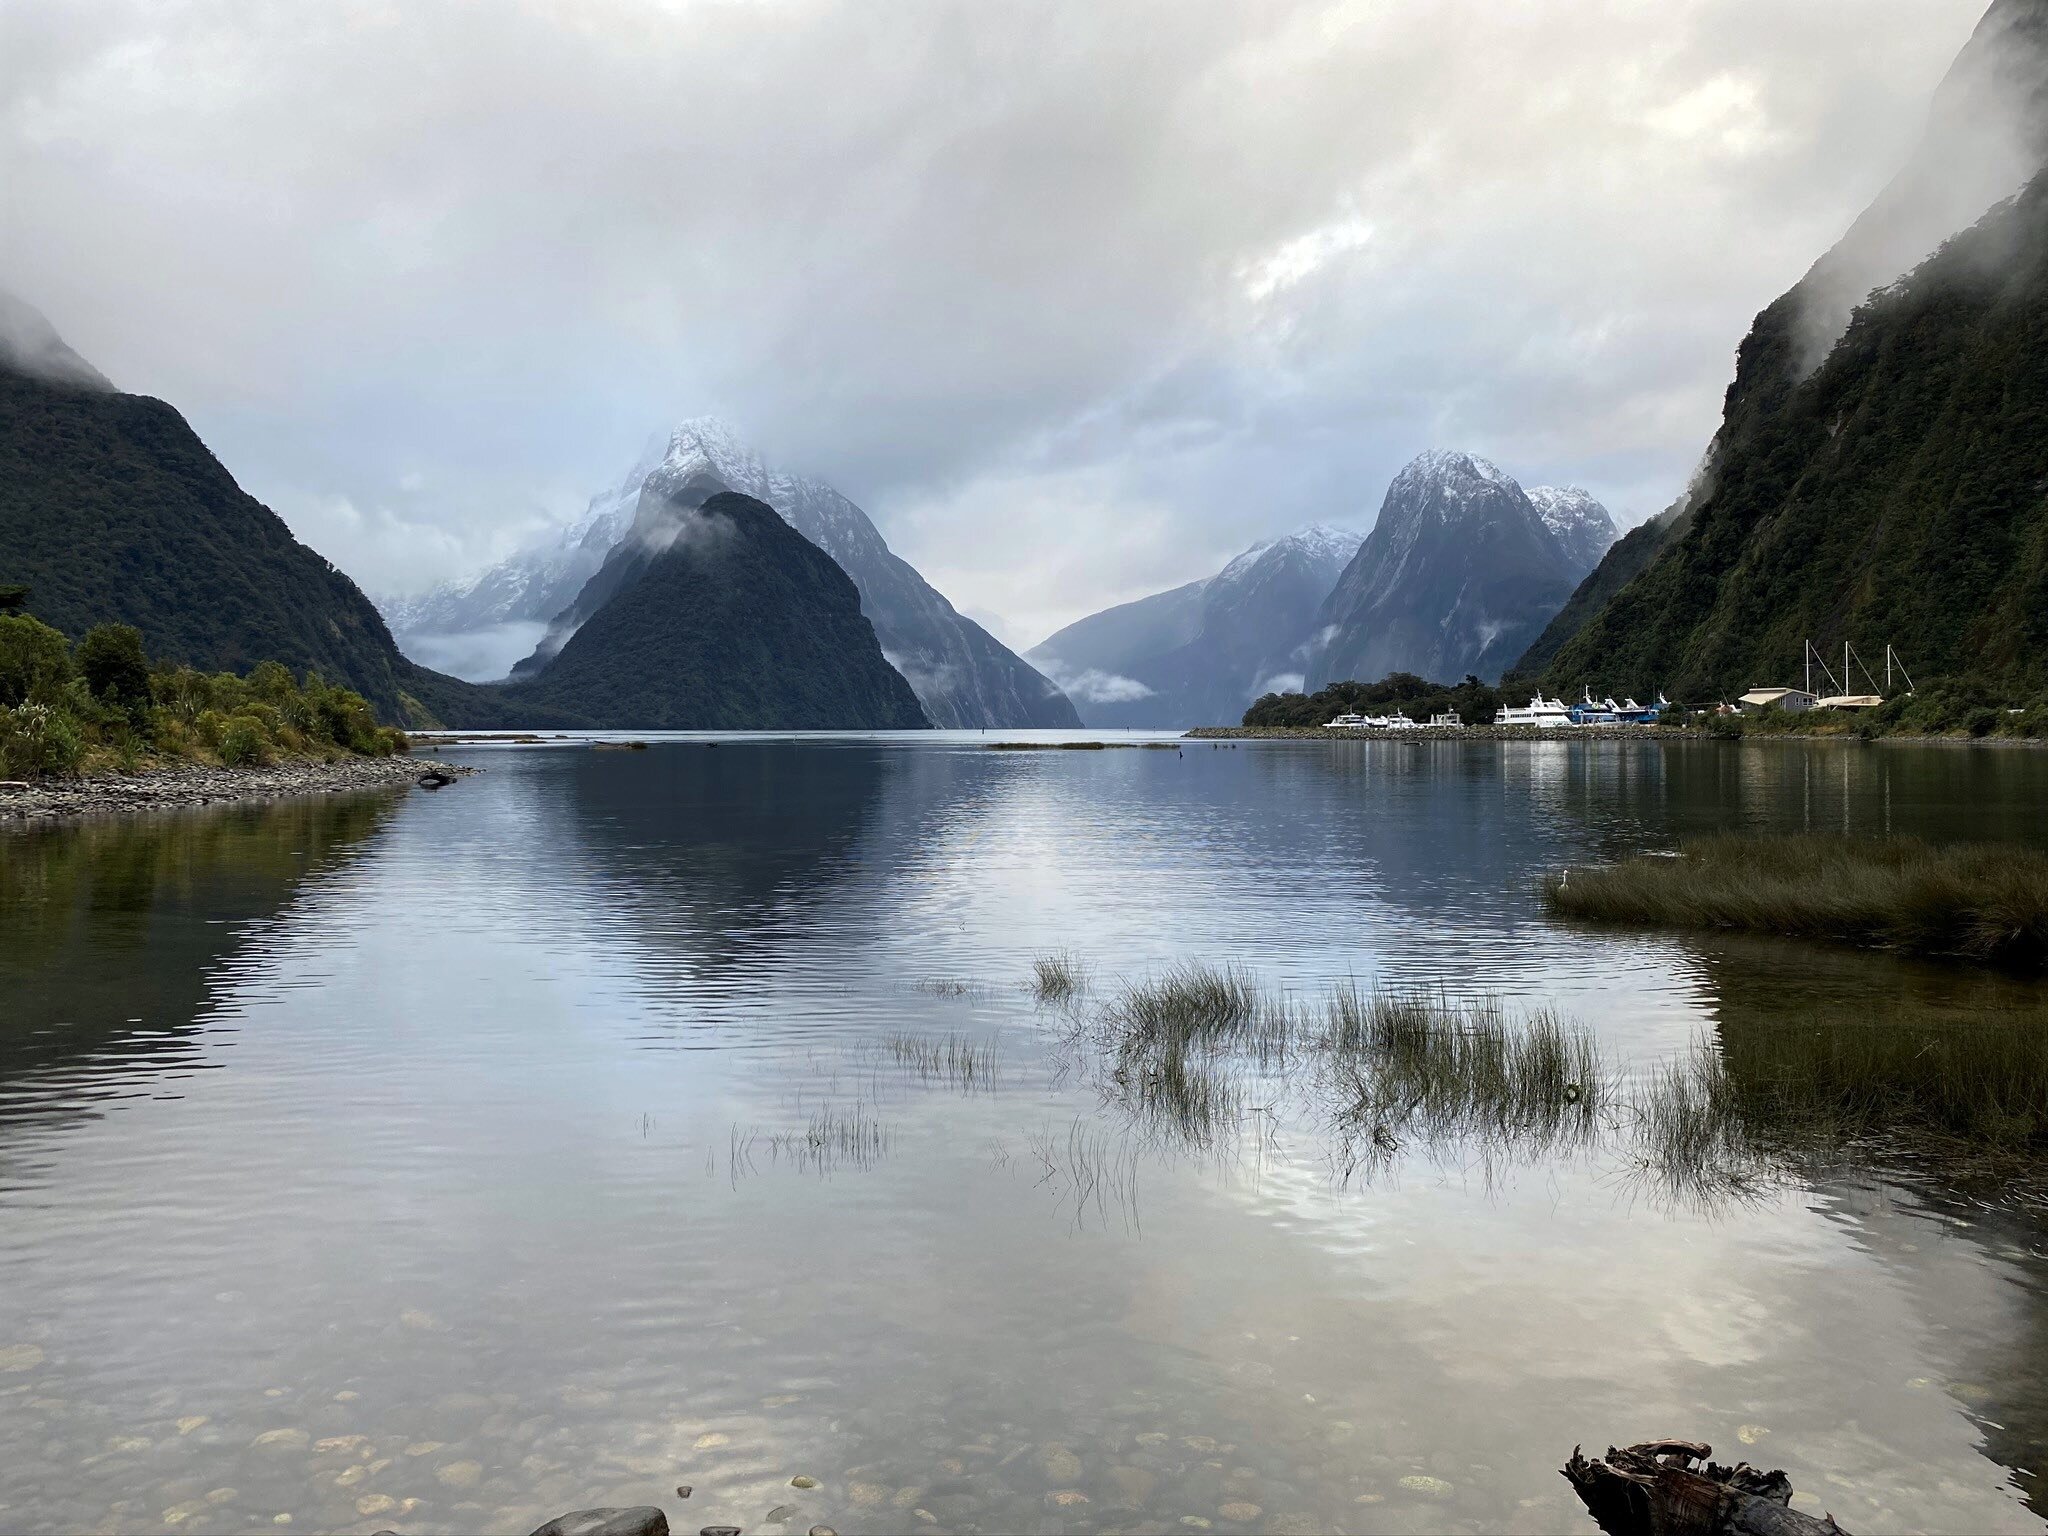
1880	475
964	677
1460	573
113	511
715	614
1198	654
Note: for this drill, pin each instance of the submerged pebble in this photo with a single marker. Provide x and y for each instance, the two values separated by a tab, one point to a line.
1433	1487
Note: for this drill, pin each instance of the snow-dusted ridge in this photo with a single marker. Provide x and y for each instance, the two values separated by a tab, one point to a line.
961	674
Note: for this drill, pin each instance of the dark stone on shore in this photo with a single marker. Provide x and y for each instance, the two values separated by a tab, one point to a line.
641	1520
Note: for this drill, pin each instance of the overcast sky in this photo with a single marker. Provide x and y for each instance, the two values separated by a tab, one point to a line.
1077	299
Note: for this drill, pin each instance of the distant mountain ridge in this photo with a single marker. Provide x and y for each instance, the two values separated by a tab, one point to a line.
963	676
1461	571
534	583
1200	653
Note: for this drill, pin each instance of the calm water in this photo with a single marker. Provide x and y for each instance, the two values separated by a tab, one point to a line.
442	1162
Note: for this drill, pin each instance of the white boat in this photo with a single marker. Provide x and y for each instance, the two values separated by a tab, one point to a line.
1399	723
1540	711
1347	722
1446	722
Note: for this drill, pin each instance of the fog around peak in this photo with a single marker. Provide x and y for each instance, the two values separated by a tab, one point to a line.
1077	300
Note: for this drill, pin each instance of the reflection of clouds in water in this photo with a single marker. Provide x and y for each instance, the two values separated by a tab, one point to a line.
499	1055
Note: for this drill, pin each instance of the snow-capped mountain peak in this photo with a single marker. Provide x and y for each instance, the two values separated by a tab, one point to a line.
1578	522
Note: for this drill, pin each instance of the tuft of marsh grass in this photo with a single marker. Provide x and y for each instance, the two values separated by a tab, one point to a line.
954	1059
1189	1003
1461	1069
1983	903
1058	978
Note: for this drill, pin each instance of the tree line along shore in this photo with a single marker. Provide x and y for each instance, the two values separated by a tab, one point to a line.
104	708
1967	709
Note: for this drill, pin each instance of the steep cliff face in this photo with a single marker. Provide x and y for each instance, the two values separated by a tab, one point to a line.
1875	479
1458	575
731	620
113	511
1896	496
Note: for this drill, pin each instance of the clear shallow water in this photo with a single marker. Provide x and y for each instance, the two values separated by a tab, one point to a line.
441	1163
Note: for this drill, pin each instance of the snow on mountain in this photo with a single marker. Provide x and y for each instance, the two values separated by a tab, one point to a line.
1198	654
476	627
1580	524
961	674
1459	573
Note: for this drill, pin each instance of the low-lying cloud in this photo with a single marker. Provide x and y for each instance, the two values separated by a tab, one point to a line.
1077	299
1092	685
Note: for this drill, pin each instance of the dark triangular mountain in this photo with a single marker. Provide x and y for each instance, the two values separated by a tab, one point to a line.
963	676
717	615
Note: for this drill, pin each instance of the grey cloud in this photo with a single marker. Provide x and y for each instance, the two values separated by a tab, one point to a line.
1077	298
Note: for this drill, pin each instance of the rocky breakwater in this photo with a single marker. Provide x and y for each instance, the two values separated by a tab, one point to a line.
185	785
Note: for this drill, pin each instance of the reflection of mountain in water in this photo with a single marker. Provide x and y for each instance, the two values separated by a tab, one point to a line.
721	856
116	930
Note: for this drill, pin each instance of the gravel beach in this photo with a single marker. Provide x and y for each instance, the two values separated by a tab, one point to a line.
176	787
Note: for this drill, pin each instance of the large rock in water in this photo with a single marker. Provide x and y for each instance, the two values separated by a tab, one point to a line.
640	1520
717	615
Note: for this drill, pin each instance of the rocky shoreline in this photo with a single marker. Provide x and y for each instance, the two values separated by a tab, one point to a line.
186	785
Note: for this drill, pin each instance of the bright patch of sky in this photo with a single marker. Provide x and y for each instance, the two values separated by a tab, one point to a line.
1078	298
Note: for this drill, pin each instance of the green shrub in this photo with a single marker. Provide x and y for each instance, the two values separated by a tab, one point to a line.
55	708
35	661
243	742
37	740
271	681
111	660
209	728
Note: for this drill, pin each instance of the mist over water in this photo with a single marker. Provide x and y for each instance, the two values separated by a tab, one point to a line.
447	1162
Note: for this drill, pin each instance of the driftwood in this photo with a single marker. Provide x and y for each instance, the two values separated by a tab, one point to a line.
1652	1489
